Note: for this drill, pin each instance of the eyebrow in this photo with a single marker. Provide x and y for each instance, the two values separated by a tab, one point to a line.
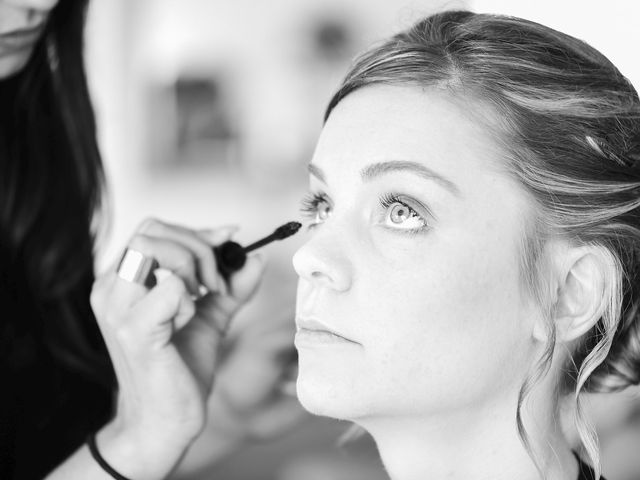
376	170
316	172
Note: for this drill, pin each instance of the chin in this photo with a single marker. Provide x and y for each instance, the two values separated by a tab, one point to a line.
319	402
12	64
329	399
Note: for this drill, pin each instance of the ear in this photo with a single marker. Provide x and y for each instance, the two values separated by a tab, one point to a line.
581	279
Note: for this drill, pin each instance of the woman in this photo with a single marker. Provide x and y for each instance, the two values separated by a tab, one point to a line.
473	267
57	376
474	263
55	370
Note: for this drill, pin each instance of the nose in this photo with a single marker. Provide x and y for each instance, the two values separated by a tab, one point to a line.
323	261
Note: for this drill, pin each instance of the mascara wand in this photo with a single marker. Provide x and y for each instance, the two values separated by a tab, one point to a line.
231	256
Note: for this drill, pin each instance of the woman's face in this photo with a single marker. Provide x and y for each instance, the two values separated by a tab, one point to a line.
21	24
412	262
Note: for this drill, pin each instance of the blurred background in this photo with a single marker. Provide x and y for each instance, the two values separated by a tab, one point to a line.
208	112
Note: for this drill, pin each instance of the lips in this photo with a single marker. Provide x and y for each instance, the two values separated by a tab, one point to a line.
23	38
312	329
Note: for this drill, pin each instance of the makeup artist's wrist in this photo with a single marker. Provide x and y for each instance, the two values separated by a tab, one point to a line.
138	453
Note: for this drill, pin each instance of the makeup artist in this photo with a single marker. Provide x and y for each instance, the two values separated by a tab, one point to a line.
58	377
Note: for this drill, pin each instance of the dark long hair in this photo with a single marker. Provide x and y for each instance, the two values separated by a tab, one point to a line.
51	183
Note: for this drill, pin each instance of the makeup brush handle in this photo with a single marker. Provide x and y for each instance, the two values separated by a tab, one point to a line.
230	257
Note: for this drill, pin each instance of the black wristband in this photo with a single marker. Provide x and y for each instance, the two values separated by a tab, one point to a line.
93	448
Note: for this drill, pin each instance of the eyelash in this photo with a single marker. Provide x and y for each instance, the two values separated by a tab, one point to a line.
309	207
311	202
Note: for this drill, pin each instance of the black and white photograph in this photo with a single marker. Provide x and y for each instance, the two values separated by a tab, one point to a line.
319	240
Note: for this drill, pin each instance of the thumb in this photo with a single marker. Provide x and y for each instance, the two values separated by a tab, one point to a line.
168	306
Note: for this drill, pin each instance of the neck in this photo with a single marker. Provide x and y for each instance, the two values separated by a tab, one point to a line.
479	445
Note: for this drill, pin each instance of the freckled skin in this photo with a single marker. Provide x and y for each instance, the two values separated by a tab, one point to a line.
439	316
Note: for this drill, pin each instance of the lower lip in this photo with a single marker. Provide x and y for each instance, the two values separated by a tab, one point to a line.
21	40
311	338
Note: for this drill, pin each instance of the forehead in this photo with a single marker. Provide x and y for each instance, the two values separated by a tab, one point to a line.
385	123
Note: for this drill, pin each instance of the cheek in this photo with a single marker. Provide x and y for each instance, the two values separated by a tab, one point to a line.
445	323
12	62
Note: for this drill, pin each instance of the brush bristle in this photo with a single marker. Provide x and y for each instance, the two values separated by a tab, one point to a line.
287	230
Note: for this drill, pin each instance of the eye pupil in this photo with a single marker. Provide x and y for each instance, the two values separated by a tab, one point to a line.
399	213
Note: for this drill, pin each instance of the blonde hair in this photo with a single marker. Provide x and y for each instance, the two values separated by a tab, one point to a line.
570	128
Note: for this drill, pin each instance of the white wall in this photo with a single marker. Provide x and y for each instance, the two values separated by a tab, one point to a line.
611	26
132	44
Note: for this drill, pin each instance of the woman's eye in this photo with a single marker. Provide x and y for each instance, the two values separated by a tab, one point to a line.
323	211
398	214
316	207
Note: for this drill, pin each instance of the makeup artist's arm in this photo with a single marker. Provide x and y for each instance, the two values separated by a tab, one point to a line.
164	348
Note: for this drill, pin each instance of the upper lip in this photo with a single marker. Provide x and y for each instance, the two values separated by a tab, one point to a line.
313	324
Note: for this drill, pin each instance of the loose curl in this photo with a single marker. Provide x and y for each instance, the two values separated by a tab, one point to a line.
569	123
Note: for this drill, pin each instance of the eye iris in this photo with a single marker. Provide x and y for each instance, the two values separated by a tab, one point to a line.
324	211
399	213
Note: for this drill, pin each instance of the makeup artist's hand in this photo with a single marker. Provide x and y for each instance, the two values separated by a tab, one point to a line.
254	394
253	397
164	344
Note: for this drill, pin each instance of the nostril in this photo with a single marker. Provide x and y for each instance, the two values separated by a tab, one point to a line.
323	264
